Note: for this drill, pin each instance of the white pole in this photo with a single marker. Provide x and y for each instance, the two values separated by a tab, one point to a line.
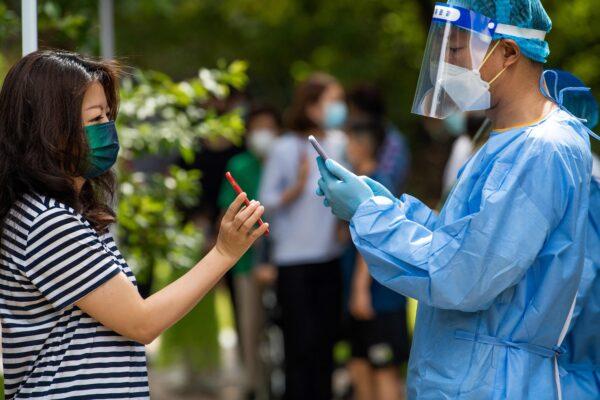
107	28
29	26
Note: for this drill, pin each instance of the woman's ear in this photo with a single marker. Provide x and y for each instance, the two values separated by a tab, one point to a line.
510	52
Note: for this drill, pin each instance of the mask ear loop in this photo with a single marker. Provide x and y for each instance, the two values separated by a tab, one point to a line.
487	57
497	75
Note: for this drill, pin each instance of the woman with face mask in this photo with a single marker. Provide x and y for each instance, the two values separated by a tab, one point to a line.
73	322
305	247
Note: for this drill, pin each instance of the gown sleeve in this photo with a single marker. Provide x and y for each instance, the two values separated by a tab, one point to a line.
465	264
417	211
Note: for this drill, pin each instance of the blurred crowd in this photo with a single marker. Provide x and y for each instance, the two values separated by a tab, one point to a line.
306	278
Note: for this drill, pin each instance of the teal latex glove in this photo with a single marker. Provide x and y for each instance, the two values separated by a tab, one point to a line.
343	190
378	189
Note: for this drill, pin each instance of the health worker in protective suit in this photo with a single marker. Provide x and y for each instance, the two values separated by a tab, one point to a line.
496	272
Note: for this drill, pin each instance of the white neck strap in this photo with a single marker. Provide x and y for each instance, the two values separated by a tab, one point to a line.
525	33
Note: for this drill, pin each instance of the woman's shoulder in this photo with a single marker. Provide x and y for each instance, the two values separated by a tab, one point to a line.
33	207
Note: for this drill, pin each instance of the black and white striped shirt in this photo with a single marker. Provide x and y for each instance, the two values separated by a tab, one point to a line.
50	257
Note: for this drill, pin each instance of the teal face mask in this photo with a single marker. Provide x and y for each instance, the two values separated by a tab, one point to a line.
104	148
335	114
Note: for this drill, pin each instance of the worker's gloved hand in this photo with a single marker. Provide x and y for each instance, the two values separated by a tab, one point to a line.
343	190
378	189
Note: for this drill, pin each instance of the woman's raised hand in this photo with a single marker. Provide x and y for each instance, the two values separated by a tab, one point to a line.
237	232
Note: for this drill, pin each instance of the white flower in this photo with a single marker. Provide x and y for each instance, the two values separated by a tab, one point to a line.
170	183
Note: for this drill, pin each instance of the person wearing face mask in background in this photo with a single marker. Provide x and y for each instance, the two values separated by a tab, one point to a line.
263	125
304	237
497	271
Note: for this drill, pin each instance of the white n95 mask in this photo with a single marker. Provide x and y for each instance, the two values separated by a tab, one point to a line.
466	88
261	141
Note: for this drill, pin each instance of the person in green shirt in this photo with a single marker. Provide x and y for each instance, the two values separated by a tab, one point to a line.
263	125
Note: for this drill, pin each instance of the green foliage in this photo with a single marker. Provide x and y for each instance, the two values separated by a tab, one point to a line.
62	24
381	41
575	42
161	117
9	22
283	40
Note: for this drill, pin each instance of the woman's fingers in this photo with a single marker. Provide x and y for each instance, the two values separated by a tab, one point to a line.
234	207
244	214
258	232
253	219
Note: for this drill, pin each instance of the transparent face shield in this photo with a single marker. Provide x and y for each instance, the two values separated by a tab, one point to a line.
458	42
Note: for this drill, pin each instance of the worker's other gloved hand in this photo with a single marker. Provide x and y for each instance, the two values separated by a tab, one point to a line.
378	189
343	190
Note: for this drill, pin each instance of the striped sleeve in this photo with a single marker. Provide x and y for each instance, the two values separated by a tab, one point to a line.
65	259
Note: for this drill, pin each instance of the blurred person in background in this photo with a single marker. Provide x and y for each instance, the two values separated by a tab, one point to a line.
304	243
377	325
464	127
431	145
365	103
263	125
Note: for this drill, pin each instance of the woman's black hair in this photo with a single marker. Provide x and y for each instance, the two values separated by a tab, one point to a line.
42	143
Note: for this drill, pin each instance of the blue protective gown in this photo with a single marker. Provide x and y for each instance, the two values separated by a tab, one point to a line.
497	272
580	364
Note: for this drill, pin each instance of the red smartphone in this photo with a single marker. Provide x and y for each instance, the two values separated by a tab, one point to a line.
238	190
